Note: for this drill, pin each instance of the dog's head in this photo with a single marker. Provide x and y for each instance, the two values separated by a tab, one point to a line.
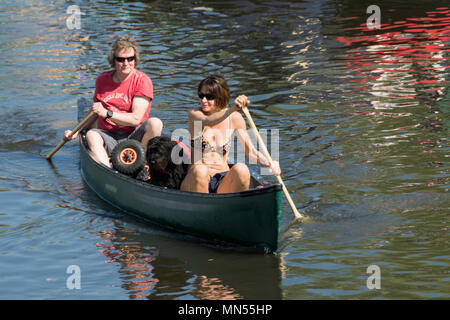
165	160
159	150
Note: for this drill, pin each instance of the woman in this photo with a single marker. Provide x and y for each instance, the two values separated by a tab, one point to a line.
212	125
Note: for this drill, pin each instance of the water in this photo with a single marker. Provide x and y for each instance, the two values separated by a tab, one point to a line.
363	122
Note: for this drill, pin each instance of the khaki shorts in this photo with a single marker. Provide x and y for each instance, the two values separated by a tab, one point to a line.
111	139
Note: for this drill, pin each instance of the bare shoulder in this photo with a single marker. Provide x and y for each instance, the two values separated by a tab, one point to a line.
238	120
195	114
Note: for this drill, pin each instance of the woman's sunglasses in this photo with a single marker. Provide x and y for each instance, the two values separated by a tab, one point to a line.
122	59
207	96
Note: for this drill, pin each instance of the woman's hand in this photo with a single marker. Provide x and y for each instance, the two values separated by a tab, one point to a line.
275	169
241	101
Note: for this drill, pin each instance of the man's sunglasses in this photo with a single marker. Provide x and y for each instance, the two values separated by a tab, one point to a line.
207	96
122	59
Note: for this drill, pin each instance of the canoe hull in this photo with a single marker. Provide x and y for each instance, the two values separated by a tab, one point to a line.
250	218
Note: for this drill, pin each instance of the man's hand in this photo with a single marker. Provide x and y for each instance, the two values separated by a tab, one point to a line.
98	109
68	135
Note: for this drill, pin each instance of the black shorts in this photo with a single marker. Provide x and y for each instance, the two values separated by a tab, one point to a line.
215	181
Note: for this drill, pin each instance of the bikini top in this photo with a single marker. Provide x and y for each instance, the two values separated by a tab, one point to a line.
208	147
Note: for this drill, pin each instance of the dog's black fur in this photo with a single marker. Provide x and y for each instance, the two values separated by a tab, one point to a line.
163	171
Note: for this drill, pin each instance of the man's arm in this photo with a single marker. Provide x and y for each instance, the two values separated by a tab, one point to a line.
131	119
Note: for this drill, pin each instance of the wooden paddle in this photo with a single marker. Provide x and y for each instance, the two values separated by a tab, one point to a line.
297	215
74	131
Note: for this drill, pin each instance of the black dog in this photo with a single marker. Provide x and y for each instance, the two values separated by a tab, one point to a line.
163	171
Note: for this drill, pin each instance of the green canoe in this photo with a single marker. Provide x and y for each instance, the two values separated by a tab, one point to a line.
249	218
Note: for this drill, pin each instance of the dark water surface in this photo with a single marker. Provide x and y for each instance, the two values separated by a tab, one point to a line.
363	118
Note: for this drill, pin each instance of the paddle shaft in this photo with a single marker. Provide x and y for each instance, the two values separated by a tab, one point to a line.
261	143
74	131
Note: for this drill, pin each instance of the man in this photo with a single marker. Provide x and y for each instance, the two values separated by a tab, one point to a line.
122	102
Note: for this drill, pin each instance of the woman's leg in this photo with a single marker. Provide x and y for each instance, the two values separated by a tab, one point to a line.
237	179
197	179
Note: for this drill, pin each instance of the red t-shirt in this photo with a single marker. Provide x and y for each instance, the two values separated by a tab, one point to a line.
118	96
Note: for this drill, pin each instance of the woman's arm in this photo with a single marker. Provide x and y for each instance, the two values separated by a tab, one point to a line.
250	151
211	119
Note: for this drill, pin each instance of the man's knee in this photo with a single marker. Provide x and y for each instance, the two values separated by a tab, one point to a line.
93	137
154	126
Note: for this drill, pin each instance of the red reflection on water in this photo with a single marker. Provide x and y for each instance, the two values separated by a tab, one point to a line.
401	59
135	264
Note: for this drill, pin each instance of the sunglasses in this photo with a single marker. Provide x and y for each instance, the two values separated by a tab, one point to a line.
207	96
122	59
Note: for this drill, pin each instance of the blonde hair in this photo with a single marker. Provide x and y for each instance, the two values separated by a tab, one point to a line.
121	44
